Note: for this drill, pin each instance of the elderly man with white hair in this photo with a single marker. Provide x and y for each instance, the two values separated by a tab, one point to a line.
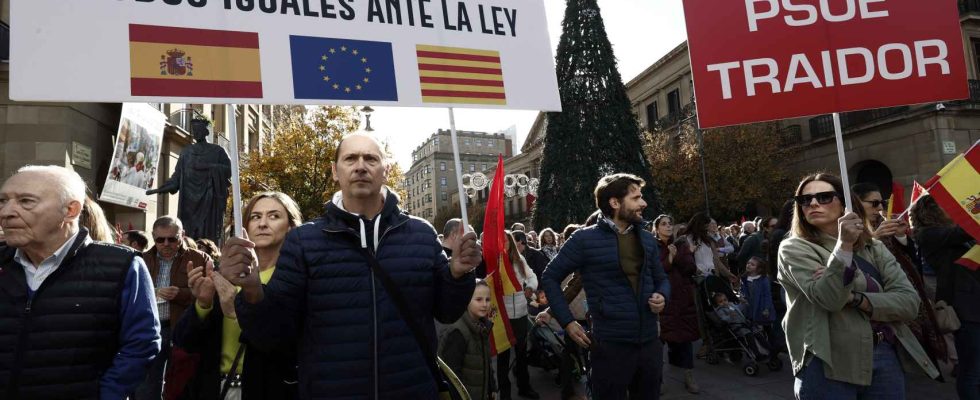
77	317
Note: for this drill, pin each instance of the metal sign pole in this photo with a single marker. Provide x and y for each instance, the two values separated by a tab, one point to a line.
459	170
838	133
236	185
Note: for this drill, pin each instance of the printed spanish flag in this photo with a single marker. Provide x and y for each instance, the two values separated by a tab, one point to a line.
459	75
956	189
500	274
189	62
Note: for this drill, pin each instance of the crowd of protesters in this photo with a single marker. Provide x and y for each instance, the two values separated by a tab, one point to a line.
343	305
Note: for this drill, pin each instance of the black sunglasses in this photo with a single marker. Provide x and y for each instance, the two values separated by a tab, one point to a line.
876	203
165	239
804	200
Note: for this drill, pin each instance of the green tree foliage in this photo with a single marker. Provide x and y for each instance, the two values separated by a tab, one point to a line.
745	167
297	156
596	133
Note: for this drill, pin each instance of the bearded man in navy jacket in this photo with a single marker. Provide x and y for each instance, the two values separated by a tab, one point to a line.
627	288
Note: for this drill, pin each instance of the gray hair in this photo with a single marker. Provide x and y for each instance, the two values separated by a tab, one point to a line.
167	221
747	224
70	184
451	227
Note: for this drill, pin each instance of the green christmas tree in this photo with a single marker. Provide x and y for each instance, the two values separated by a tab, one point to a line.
596	133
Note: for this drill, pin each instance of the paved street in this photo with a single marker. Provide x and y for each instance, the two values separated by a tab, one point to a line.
726	381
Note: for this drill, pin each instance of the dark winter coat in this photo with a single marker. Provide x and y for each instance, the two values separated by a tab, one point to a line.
956	285
465	348
265	375
679	321
57	343
619	314
759	294
352	341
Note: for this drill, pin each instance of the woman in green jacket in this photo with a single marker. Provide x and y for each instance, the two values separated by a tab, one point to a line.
848	301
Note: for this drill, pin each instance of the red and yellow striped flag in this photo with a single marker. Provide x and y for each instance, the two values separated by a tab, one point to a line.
971	259
188	62
459	75
956	188
500	274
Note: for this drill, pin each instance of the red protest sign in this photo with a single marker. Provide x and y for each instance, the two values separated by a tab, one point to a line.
761	60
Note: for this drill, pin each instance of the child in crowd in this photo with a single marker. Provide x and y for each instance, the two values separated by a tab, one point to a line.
465	348
757	292
538	304
733	316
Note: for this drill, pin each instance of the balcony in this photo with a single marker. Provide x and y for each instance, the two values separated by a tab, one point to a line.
823	126
969	6
791	135
671	120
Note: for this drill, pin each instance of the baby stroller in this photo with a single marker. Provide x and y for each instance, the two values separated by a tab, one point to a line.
748	344
545	349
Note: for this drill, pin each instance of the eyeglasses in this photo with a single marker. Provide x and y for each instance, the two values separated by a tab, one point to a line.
166	239
804	200
876	203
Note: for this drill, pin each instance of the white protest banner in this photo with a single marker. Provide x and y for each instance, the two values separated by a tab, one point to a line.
136	157
421	53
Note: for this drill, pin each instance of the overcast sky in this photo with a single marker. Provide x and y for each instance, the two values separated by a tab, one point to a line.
641	31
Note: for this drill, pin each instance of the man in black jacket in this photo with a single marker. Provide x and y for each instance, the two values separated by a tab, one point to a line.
355	341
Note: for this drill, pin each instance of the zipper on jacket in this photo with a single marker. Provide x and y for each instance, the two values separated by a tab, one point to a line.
374	311
15	371
374	299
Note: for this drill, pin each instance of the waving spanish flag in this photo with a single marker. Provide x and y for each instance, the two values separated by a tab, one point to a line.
500	274
956	189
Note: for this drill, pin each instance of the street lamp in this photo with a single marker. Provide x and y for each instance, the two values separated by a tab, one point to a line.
367	110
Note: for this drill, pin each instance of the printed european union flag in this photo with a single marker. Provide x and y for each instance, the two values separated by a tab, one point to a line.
342	69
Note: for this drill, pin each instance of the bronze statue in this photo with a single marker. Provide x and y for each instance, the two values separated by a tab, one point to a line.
202	177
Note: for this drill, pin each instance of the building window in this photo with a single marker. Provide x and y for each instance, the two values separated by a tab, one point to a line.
674	103
483	167
976	53
479	142
442	165
652	115
472	167
466	141
445	197
491	142
442	181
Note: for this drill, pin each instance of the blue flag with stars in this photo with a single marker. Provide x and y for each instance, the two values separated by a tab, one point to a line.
342	69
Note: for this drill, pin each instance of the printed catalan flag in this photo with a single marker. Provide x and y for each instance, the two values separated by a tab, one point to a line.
461	76
189	62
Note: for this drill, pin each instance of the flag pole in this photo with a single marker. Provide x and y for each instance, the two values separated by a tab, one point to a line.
236	184
838	133
459	170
